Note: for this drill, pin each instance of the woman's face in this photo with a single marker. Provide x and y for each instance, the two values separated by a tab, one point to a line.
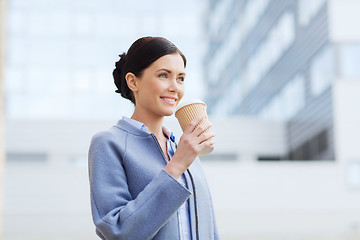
161	86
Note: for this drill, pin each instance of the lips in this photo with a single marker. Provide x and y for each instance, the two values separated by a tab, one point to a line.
170	100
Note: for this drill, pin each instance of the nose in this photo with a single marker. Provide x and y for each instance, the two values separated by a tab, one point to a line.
174	85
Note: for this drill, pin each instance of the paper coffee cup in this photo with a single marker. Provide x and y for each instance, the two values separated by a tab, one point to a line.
188	110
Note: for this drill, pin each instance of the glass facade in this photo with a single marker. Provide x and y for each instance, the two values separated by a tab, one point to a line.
308	9
278	40
322	71
252	13
60	54
289	101
230	101
280	66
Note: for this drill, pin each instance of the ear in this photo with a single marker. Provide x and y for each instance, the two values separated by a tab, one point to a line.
131	81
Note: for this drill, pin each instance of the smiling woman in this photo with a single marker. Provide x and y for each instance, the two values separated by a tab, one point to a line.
143	184
141	55
159	87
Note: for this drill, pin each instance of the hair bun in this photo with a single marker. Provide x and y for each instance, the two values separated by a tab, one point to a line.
121	63
118	74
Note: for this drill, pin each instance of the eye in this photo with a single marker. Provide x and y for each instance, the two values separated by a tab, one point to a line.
163	75
181	79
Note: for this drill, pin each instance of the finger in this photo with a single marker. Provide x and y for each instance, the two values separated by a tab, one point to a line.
193	124
202	128
206	136
208	143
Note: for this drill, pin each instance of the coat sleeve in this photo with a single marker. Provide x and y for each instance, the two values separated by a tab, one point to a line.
115	214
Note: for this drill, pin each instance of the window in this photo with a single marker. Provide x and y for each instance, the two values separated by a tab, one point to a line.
273	47
220	157
230	101
293	97
252	12
353	174
312	148
79	161
307	9
322	71
349	58
225	55
218	16
288	102
21	157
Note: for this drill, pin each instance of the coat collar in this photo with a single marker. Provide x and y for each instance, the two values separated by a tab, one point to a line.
122	124
130	128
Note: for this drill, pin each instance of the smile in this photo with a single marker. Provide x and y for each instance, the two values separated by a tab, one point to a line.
169	100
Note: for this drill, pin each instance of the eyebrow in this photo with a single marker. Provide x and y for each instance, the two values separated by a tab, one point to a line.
168	71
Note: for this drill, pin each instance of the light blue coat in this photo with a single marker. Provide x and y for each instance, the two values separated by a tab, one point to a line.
132	197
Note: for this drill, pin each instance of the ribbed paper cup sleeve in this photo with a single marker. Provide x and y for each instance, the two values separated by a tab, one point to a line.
189	112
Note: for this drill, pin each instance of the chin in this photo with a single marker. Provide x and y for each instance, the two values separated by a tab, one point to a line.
168	113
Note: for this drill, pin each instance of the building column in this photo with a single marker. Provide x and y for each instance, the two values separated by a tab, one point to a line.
2	105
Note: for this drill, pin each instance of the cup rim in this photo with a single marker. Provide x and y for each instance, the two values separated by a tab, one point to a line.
188	102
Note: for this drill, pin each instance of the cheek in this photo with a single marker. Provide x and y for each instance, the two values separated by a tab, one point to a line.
149	89
145	94
181	92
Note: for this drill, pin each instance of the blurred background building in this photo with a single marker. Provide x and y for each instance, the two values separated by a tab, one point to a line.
280	60
2	104
61	53
281	81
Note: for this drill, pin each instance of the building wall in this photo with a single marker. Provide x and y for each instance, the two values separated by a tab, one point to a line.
46	181
47	184
295	60
347	85
2	105
280	66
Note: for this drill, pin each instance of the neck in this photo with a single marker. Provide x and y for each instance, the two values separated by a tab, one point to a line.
152	122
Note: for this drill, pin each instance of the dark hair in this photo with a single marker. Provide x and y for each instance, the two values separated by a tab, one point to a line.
142	53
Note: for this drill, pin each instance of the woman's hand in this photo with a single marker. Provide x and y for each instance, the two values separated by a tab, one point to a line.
194	139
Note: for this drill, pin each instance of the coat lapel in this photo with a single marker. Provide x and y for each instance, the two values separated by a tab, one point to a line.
191	203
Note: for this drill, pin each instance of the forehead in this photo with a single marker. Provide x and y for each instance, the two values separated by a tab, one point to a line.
171	61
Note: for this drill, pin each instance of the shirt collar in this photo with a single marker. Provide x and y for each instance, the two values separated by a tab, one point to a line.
168	134
141	126
135	123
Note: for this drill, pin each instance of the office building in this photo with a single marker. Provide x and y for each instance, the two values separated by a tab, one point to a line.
61	54
280	60
2	104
